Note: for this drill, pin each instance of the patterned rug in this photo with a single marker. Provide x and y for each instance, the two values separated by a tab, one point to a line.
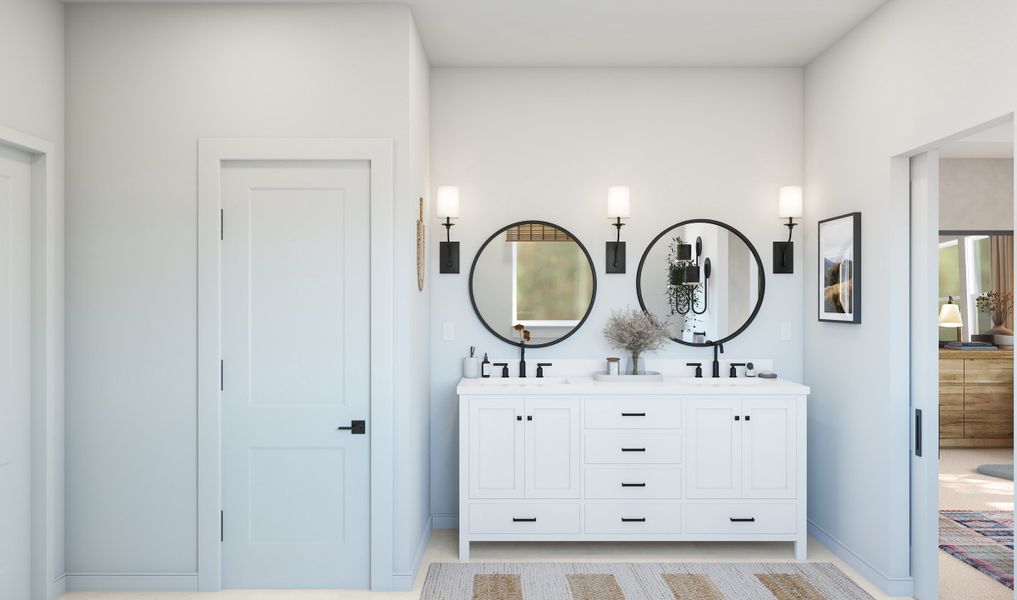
639	581
983	540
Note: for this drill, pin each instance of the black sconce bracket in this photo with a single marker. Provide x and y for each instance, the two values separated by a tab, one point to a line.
615	256
448	251
784	252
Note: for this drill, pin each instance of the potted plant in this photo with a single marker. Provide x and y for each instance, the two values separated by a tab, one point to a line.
999	305
636	332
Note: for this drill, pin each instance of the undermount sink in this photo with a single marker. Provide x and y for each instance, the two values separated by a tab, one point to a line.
521	381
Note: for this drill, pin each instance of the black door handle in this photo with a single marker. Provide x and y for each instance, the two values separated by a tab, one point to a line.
639	520
633	485
918	432
524	519
633	449
743	519
356	427
642	414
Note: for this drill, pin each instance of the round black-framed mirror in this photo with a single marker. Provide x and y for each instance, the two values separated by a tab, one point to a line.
537	274
702	280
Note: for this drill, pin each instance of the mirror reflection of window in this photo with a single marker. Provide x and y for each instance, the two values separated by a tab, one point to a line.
969	266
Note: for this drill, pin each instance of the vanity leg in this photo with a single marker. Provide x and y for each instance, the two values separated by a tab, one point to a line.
801	549
464	547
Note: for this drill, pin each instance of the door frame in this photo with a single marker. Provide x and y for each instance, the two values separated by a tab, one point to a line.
46	239
211	155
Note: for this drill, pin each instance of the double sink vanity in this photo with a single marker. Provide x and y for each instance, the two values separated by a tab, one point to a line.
571	458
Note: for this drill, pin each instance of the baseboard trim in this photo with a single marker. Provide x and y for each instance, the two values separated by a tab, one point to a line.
403	581
131	582
57	587
445	520
891	586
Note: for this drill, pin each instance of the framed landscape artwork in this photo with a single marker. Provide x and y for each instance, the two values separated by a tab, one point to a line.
840	269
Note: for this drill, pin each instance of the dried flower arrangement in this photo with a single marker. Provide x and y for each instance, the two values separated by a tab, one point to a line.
999	305
636	332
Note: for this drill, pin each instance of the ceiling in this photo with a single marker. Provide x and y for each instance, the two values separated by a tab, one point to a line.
627	33
995	142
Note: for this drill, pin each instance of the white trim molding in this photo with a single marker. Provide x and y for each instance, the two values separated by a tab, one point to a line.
891	586
211	154
47	351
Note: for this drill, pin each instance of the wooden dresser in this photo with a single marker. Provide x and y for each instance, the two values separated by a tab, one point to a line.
975	398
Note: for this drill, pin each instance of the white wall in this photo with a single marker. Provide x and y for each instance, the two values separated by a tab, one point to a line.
145	82
975	194
547	143
32	102
913	73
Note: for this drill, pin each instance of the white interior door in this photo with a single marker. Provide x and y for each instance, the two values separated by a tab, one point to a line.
15	392
925	375
296	331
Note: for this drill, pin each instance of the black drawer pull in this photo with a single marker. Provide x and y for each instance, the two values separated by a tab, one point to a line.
633	485
633	449
743	519
639	520
633	414
524	519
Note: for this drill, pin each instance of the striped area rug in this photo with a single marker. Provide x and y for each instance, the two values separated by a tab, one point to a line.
639	581
983	540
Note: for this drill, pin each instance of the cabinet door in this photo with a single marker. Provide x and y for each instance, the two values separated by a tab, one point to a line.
769	448
496	448
714	448
552	448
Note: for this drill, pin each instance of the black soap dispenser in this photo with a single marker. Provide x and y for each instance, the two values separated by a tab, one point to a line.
485	367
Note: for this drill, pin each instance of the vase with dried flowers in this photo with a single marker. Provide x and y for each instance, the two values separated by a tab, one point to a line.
999	306
636	332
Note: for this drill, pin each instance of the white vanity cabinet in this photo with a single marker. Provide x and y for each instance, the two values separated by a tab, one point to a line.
679	460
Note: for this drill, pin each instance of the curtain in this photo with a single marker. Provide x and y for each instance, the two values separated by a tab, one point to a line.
1001	262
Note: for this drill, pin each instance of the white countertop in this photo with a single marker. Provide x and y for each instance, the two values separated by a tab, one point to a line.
579	385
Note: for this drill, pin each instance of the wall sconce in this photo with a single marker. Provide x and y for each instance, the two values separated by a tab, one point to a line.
448	209
618	209
691	276
790	208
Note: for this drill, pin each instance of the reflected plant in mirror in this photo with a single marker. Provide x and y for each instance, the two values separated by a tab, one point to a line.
637	332
535	276
706	276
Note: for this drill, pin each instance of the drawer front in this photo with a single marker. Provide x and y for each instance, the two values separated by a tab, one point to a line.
951	370
988	424
634	447
633	413
520	517
633	483
988	397
981	370
740	518
633	518
951	397
951	424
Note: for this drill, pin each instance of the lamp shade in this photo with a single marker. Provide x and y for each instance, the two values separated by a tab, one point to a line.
950	316
790	202
448	202
618	202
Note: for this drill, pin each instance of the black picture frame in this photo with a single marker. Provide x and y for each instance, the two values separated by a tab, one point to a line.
849	224
759	267
495	235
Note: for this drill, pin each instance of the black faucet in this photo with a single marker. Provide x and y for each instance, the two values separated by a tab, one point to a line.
699	368
540	368
716	363
522	359
504	369
734	371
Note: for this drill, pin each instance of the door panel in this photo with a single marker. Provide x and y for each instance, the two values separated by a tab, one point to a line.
769	458
15	393
296	313
496	448
714	463
552	448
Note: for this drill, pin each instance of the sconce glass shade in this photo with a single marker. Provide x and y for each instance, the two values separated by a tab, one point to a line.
448	202
618	202
790	202
692	275
950	316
